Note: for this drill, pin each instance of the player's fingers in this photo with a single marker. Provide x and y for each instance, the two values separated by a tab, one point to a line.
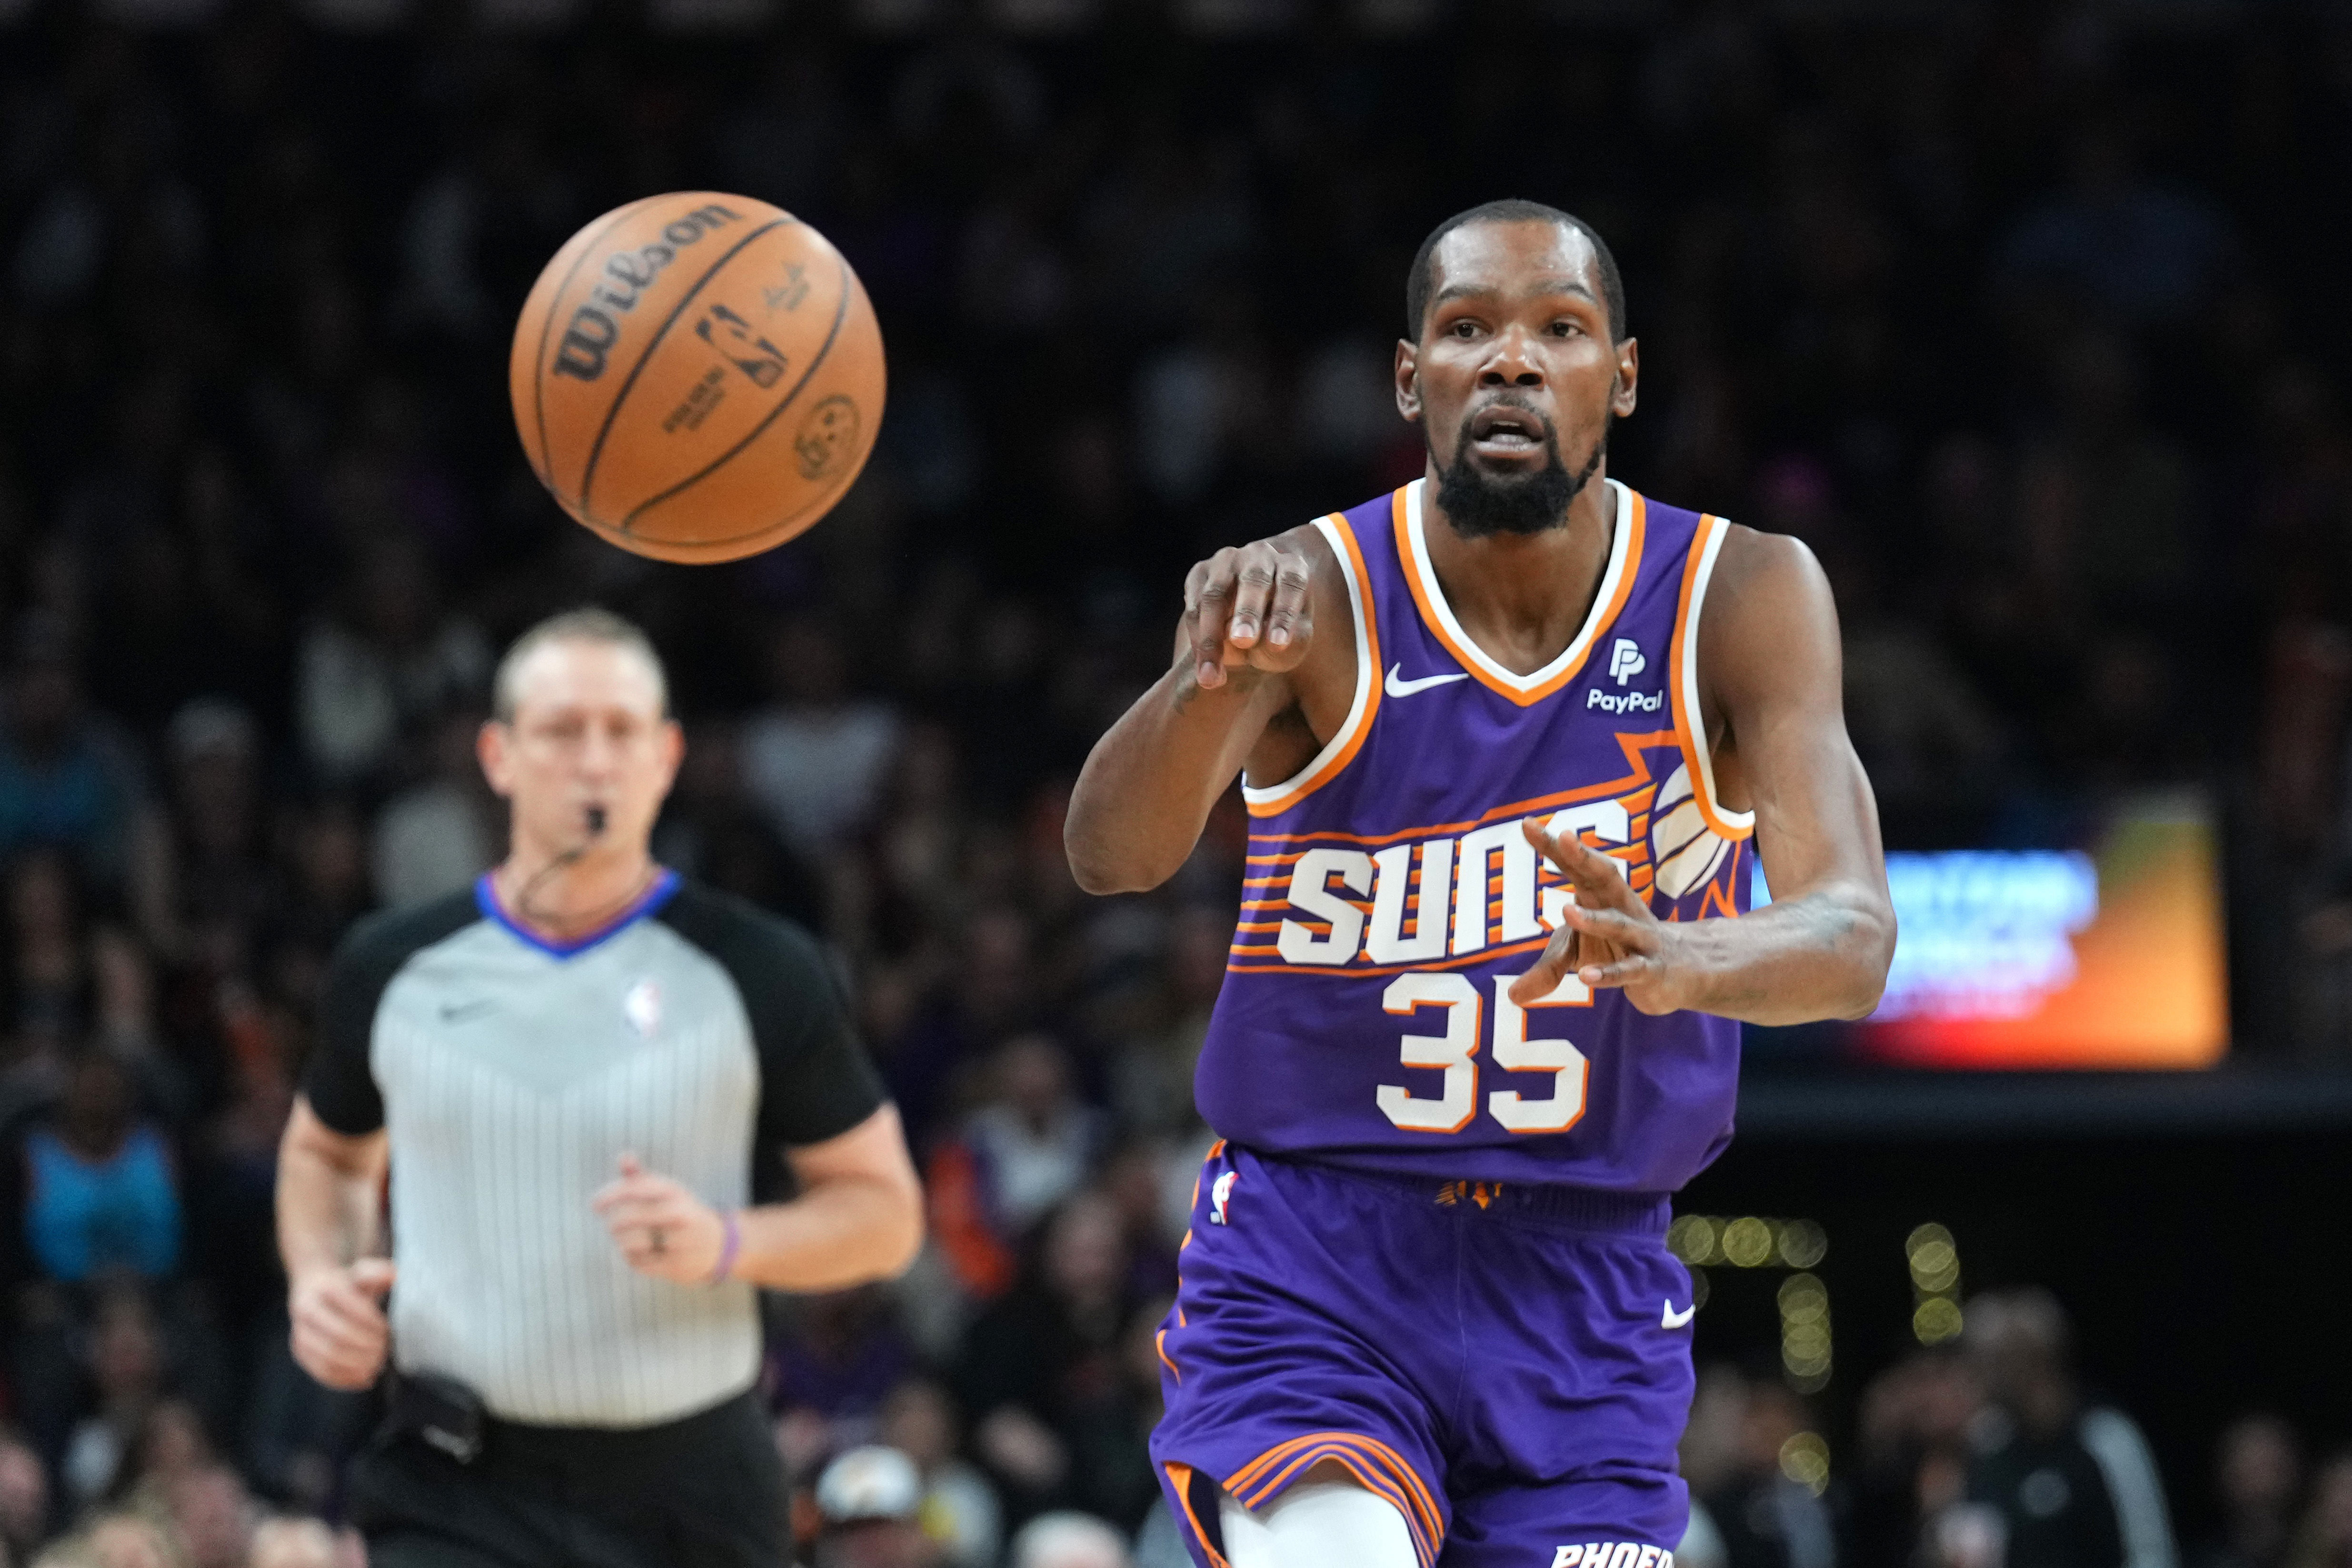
631	1190
1557	963
341	1333
344	1303
1622	973
1212	611
1614	926
1253	584
1289	623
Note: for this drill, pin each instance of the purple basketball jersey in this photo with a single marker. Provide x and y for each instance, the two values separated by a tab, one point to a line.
1390	898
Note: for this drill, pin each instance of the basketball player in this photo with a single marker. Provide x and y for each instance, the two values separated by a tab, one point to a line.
1511	740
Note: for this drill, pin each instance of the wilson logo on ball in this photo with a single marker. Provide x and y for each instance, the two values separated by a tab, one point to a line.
593	331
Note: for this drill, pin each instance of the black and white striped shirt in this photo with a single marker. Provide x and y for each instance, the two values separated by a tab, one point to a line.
696	1031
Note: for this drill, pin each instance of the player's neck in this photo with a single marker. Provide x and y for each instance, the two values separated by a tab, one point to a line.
562	898
1523	597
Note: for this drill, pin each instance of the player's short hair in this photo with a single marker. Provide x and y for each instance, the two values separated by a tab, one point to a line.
1512	209
590	623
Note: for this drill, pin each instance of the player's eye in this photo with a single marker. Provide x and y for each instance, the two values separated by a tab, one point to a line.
1567	329
1465	328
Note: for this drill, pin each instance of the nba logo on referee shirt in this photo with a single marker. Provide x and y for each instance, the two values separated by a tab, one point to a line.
642	1008
1220	1194
1625	661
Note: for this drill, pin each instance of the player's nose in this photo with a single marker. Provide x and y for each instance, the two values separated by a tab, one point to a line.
1512	364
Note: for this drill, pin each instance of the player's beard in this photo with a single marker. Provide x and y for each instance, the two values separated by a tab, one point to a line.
1479	504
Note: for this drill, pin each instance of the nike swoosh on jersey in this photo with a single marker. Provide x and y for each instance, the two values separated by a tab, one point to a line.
1399	686
1674	1319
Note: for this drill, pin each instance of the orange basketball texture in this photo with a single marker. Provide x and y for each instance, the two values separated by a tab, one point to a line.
696	376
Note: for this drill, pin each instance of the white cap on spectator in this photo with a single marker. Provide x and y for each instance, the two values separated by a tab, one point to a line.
868	1483
1067	1539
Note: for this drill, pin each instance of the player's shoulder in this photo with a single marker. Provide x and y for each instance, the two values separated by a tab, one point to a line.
1775	573
381	943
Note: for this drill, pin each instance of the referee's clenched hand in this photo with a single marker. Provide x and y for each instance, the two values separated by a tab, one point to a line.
661	1227
339	1332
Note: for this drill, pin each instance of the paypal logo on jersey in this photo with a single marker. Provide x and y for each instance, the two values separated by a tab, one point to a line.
1624	701
1625	661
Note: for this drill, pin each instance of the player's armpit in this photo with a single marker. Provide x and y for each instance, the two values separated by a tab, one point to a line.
1771	674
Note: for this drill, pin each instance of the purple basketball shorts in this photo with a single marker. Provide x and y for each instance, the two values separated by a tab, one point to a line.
1509	1365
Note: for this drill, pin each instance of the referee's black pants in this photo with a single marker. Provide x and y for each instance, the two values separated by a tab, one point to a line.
706	1491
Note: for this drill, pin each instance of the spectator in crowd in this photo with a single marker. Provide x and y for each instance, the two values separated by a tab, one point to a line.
2324	1539
446	829
386	659
2258	1477
1028	1146
24	1498
67	776
1067	1540
1757	1515
1040	1354
2072	1485
960	1510
816	757
870	1499
101	1188
1913	1451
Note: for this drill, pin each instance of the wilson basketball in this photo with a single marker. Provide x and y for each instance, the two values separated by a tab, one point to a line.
696	376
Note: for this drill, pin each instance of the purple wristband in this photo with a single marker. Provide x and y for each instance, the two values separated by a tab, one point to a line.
729	1247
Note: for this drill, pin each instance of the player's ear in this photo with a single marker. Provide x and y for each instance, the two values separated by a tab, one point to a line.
1629	378
492	742
673	747
1408	379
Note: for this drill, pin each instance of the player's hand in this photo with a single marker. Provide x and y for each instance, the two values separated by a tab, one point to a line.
1248	609
1607	937
660	1226
341	1335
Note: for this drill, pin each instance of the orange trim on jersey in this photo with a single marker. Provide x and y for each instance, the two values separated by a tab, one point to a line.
1379	1468
1368	671
1159	1343
1426	592
1686	723
1360	972
1180	1481
1634	747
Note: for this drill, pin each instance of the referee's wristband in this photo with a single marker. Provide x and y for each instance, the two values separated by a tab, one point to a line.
731	1243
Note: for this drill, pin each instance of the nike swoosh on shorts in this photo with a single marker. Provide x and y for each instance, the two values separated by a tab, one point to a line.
1674	1319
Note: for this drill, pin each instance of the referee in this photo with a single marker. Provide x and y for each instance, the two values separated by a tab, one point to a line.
588	1079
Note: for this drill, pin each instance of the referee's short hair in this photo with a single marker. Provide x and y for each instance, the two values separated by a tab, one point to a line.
589	622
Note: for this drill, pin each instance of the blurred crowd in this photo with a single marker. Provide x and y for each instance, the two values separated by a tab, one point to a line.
1989	1452
2019	316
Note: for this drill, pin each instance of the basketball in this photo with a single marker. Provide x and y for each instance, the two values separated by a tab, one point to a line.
696	376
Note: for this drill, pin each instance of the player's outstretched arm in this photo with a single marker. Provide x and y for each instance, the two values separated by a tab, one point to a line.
1253	680
1770	675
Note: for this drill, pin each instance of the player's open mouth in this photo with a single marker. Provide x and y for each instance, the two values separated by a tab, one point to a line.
1502	430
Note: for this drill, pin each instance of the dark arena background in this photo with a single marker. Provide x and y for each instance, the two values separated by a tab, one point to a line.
2030	320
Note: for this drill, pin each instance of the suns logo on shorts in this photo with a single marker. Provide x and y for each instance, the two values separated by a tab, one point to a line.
1422	901
1220	1194
1612	1554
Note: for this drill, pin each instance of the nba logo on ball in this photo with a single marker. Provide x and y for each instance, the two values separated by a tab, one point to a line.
1220	1194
